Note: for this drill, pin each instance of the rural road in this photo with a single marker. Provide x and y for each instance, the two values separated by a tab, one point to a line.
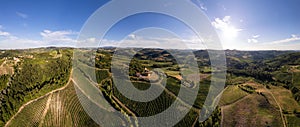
29	102
280	109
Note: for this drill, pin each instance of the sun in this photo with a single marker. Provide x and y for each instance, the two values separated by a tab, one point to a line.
230	32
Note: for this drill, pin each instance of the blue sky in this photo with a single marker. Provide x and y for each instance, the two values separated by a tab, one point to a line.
241	24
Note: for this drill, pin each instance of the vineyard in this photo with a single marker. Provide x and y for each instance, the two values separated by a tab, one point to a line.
48	99
31	115
61	108
33	77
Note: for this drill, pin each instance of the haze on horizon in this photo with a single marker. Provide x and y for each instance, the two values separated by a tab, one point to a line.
241	25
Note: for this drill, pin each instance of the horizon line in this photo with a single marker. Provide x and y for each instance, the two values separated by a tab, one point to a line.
141	47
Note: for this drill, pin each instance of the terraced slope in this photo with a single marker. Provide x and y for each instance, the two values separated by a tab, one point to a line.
30	115
61	108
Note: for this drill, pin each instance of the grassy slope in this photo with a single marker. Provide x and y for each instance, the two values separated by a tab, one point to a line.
293	121
256	109
31	114
285	99
296	79
64	110
253	110
232	94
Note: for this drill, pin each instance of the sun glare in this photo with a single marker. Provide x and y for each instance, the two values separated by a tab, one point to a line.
230	32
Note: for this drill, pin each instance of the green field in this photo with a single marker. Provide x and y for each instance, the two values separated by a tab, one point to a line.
258	84
3	81
63	109
285	99
293	121
296	79
251	111
1	61
231	94
66	110
31	115
33	78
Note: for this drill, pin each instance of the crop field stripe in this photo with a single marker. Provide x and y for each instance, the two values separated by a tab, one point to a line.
29	102
30	115
66	110
45	110
93	101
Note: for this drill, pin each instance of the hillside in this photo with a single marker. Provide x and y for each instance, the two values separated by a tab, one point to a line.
37	89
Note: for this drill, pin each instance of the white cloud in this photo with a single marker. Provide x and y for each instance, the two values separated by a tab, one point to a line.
283	44
3	33
253	39
224	24
153	42
8	41
201	5
132	36
270	46
92	40
58	37
291	39
145	42
256	36
227	29
224	8
17	43
22	15
49	38
221	23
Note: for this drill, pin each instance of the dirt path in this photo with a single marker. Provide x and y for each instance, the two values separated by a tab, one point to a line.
92	100
123	106
280	109
29	102
45	110
114	99
4	62
222	117
127	109
226	106
222	113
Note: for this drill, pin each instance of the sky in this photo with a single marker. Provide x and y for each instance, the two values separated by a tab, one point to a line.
240	24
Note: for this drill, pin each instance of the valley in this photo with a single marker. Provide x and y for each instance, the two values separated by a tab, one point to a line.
37	89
